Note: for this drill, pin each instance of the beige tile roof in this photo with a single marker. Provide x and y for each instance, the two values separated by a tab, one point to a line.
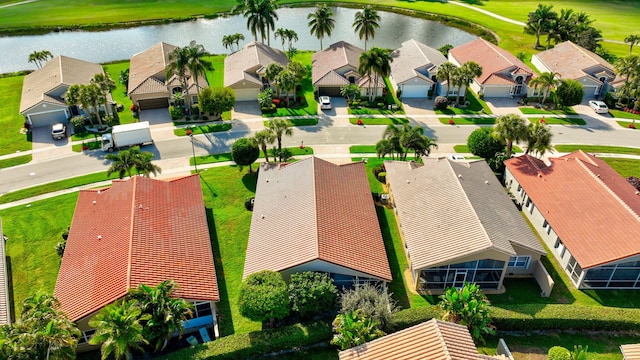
337	56
437	210
413	59
492	58
149	63
315	210
570	61
59	71
430	340
630	351
243	64
593	209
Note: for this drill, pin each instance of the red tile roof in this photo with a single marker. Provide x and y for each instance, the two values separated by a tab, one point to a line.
315	210
138	231
592	208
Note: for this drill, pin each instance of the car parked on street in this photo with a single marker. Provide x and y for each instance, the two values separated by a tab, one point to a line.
58	131
598	106
325	103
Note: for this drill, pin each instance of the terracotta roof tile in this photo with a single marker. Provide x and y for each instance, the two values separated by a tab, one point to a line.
592	208
137	231
315	210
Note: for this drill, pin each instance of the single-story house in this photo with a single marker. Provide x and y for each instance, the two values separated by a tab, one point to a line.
586	213
503	75
459	225
43	91
244	70
313	215
571	61
414	68
433	339
630	351
149	87
138	231
337	66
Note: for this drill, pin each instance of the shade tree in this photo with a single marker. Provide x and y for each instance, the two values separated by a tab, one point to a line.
245	151
312	293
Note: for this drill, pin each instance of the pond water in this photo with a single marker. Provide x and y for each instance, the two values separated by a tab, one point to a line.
119	44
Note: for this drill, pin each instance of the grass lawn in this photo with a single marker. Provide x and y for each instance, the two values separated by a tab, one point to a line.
626	124
93	145
298	122
204	129
362	149
310	107
225	190
30	248
379	121
560	121
463	148
476	106
598	149
623	114
18	160
215	158
533	110
469	120
87	135
120	93
11	140
215	78
624	167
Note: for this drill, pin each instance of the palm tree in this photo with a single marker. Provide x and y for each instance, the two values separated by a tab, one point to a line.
321	22
509	128
40	57
179	65
629	67
413	138
122	163
106	85
392	134
73	97
143	163
291	37
197	65
227	42
119	329
538	138
280	127
261	16
94	95
375	62
466	74
366	23
384	147
540	21
349	91
286	81
237	37
632	40
264	138
167	312
445	73
545	82
282	34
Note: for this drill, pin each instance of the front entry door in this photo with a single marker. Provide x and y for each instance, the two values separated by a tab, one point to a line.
460	278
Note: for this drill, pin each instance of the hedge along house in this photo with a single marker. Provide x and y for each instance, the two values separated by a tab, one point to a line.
43	91
503	75
458	225
313	215
149	87
414	68
586	213
138	231
336	66
245	70
571	61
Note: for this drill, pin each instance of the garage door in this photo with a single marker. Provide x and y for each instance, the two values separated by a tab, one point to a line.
148	104
589	93
415	91
47	119
329	91
246	94
497	91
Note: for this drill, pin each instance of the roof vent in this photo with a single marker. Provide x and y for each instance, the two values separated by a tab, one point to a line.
539	175
637	192
99	192
267	180
99	237
408	181
94	202
486	182
460	176
140	206
262	216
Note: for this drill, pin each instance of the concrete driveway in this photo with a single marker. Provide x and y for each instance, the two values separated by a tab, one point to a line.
418	106
503	106
44	147
156	116
246	110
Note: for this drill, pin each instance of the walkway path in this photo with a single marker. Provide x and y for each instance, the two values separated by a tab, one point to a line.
18	3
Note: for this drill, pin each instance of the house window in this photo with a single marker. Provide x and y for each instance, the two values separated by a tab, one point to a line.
486	273
520	261
546	227
86	336
529	206
352	80
574	269
202	308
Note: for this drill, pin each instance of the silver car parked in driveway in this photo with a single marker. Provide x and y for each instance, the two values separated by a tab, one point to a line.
58	131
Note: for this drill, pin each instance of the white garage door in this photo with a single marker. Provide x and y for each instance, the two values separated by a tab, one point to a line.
497	91
415	91
246	94
47	119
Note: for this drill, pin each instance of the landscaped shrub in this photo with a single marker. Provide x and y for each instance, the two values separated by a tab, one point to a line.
78	124
440	102
176	112
264	296
382	177
558	353
570	92
482	143
312	293
414	316
373	301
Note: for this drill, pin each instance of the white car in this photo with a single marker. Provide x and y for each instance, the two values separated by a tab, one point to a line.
598	106
325	103
58	131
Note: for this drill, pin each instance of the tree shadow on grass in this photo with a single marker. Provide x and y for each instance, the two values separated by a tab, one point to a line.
250	181
397	286
224	318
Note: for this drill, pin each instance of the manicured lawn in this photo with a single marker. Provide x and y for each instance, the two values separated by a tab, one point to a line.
18	160
465	149
379	121
625	124
87	135
469	120
372	111
623	114
476	106
624	167
93	145
225	190
559	121
299	122
11	140
310	107
362	149
598	149
120	93
533	110
209	159
204	129
30	248
215	78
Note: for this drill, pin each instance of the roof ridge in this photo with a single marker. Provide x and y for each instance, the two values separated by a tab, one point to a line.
134	185
606	187
436	326
315	205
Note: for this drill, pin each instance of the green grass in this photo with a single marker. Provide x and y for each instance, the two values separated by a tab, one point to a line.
55	186
532	110
216	158
93	145
85	136
295	151
120	93
379	121
625	124
469	120
464	149
215	78
623	114
225	190
624	167
30	248
561	121
362	149
299	122
204	129
18	160
310	106
476	106
598	149
11	140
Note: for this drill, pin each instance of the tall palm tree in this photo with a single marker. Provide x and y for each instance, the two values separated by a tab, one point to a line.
413	138
629	67
40	57
197	65
227	42
466	74
540	21
392	134
143	163
119	329
509	128
445	73
366	23
167	312
179	66
376	62
106	85
94	95
264	138
280	127
282	34
321	22
632	40
261	16
292	36
538	138
286	81
237	37
73	97
545	82
122	163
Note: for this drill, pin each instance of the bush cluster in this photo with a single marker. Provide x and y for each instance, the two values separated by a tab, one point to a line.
441	103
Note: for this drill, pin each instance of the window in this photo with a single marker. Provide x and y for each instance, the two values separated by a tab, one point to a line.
202	308
574	269
546	227
529	205
520	261
85	336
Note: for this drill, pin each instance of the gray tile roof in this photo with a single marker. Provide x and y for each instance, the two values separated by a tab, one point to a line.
415	59
449	210
243	64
